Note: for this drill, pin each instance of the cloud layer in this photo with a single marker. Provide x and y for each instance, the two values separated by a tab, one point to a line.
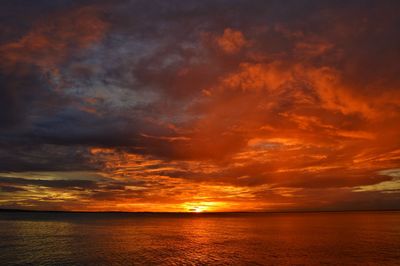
218	106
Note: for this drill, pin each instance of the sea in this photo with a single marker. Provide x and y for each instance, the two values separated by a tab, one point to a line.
321	238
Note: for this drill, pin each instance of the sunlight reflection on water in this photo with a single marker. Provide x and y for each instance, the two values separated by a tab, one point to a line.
364	238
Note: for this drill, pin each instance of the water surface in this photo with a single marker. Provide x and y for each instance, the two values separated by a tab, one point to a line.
349	238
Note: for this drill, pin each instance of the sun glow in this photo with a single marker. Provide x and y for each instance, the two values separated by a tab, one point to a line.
203	206
198	210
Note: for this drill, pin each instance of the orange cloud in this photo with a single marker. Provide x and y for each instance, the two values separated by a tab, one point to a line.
53	38
231	41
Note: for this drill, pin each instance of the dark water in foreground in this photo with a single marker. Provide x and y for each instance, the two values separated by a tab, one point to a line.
358	238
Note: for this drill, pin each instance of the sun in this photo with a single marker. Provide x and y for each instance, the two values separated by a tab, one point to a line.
196	209
202	206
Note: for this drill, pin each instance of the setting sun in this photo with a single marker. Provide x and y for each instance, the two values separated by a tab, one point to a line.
198	210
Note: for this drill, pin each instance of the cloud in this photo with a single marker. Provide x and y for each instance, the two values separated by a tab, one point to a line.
390	186
48	44
229	105
231	41
29	68
10	189
63	184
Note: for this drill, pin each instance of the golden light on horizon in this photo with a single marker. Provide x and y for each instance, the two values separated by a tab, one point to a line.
194	207
287	118
205	206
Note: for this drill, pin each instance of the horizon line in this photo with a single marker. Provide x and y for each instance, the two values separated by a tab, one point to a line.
198	213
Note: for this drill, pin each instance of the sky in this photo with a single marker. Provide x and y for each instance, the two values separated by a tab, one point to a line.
190	106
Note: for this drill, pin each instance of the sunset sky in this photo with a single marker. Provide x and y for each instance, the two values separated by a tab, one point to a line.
199	105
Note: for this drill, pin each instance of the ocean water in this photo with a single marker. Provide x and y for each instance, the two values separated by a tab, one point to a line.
348	238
